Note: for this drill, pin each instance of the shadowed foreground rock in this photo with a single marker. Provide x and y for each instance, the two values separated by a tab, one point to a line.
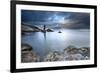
27	55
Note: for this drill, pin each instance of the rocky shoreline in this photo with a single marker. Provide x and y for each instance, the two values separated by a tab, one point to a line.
70	53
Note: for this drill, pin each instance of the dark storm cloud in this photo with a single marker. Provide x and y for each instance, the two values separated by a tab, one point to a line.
81	20
72	20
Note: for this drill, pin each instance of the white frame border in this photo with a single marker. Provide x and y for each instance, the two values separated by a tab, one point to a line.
20	65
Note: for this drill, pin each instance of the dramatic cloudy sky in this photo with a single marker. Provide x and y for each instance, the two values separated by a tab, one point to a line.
71	20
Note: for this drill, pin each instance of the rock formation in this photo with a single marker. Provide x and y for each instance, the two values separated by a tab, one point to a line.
27	55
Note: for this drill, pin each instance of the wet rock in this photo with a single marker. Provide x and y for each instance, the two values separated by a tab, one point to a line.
71	50
85	51
26	47
73	53
73	57
53	56
49	30
59	32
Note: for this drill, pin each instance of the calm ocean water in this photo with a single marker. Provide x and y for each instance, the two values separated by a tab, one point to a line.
54	41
